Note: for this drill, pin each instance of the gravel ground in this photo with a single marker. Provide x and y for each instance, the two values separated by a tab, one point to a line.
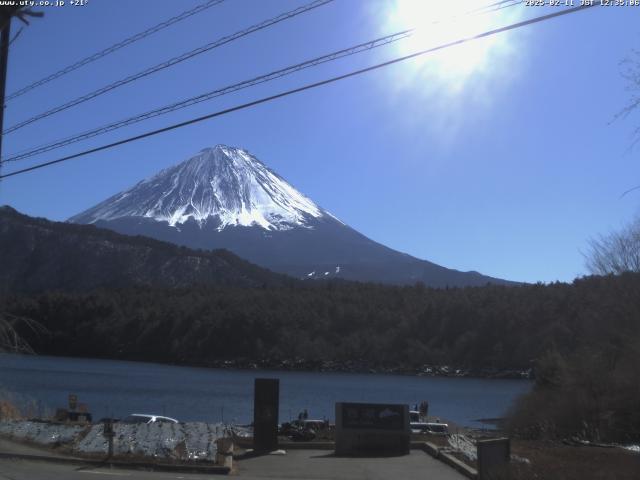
546	460
554	460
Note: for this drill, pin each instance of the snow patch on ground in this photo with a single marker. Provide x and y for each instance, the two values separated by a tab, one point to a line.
184	441
41	433
463	444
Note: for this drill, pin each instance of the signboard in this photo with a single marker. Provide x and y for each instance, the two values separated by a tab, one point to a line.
373	416
372	429
265	413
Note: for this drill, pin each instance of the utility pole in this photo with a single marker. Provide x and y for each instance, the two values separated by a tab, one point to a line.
4	58
6	14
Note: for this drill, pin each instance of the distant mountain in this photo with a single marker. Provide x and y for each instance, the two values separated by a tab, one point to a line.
38	255
225	197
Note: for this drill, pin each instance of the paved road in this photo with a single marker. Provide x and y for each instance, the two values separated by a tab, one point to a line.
296	465
7	446
38	470
322	465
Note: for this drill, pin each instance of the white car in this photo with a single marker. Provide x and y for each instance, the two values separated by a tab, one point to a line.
414	416
144	418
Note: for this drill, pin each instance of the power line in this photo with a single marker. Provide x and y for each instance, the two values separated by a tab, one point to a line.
303	88
379	42
306	87
230	89
499	4
127	41
15	37
171	62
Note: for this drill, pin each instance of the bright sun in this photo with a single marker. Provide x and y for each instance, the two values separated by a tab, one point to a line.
440	21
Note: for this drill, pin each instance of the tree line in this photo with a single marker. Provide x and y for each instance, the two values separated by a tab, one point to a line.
582	339
491	326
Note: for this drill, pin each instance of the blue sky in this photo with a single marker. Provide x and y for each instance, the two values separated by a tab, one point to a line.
501	158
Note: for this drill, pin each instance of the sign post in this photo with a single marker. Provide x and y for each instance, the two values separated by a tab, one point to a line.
265	414
109	433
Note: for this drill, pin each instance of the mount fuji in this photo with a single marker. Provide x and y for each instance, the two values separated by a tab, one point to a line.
224	197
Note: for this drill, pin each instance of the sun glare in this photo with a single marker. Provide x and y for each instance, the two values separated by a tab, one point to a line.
440	22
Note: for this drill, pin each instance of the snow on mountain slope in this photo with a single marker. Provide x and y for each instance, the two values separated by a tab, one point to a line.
224	197
225	185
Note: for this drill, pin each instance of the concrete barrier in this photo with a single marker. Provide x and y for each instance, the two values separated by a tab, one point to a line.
493	456
122	464
448	459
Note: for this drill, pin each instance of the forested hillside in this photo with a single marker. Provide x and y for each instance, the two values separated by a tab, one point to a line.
101	294
368	325
39	255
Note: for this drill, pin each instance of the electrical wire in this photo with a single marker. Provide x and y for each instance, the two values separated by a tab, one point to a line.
229	89
379	42
302	88
171	62
102	53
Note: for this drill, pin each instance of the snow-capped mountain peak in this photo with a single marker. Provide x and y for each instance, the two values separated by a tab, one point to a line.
224	197
223	184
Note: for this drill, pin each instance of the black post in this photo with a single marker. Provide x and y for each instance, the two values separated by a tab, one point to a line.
4	58
265	414
109	433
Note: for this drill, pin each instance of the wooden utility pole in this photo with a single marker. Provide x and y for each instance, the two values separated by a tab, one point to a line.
6	14
4	58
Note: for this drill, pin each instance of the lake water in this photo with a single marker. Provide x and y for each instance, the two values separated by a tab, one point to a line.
117	388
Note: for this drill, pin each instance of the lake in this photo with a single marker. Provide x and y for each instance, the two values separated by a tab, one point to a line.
118	388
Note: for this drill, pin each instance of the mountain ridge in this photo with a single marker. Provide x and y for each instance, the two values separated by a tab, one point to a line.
224	197
40	255
223	183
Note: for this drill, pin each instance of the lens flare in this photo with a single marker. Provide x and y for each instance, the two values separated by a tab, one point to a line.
440	22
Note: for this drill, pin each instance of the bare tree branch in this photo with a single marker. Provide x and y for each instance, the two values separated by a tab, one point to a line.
616	252
10	339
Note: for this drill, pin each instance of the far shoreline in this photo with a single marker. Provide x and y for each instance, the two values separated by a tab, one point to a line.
309	366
